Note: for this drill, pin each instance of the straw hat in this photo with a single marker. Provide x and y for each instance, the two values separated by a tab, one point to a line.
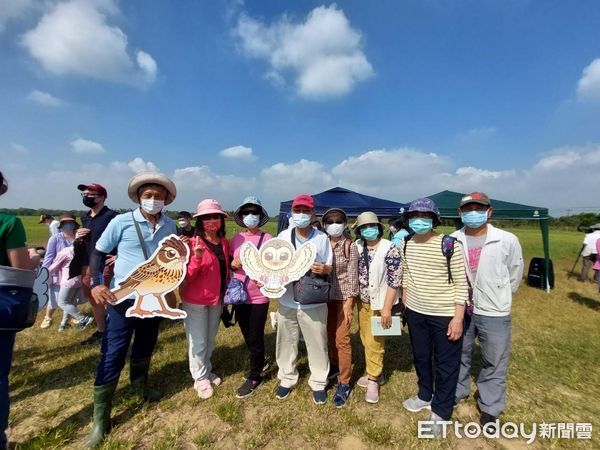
151	178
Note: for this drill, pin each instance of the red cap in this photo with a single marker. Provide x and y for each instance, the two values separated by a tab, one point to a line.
304	200
94	187
475	197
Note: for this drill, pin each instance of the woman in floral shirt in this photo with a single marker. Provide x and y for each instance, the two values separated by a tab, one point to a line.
379	277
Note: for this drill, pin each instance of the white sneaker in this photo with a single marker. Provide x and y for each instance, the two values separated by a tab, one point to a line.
415	404
214	379
273	317
204	388
363	381
436	429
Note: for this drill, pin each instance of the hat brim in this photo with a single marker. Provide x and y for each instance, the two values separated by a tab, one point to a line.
239	220
479	202
151	178
333	211
208	212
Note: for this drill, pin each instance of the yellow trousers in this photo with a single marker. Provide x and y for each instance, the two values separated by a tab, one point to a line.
374	345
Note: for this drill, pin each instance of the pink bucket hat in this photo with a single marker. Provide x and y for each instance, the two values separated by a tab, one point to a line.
209	206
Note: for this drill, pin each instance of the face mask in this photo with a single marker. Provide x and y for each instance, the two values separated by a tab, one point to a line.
90	202
474	219
370	233
301	220
68	227
420	226
212	224
183	223
335	229
152	206
251	220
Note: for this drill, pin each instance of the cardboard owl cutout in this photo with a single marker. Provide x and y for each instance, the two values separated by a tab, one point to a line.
40	287
153	279
276	264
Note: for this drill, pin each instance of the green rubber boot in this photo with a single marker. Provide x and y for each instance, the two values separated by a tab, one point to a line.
103	396
138	375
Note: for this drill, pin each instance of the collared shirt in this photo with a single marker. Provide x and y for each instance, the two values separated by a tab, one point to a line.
120	234
344	277
96	225
53	227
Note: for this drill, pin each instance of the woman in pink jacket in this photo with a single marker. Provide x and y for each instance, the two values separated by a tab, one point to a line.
202	292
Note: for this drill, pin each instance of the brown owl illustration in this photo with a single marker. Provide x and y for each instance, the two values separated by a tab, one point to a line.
156	277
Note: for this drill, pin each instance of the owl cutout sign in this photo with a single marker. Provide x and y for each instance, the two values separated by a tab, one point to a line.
276	264
151	280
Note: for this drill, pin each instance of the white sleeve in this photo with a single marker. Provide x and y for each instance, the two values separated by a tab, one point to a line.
515	264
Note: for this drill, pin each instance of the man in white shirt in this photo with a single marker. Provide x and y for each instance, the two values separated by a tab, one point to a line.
52	223
588	251
309	319
494	264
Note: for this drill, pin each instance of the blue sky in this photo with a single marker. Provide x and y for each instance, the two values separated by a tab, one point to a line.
397	99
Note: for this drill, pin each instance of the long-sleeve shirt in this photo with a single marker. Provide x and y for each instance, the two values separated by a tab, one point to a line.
61	265
56	243
425	278
344	277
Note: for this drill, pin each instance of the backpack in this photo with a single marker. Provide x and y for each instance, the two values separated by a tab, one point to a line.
447	250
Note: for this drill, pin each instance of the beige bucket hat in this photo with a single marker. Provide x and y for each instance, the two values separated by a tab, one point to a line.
151	178
367	218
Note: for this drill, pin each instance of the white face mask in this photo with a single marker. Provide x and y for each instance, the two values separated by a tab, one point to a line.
335	229
301	220
251	220
152	206
183	223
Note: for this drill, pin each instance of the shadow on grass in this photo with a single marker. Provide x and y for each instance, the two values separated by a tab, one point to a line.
585	301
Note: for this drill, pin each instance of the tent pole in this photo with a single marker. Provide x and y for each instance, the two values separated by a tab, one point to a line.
546	243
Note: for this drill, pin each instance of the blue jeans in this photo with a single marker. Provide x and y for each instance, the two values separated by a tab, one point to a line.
494	335
7	342
116	340
428	336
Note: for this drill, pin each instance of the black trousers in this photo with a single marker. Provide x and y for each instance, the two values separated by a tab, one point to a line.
427	337
252	319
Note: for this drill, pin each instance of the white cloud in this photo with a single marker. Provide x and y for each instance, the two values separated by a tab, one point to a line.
138	165
11	10
588	86
75	38
238	152
20	148
44	98
323	54
85	146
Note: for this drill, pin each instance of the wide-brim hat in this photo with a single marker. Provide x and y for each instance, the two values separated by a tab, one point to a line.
331	211
66	219
367	218
151	178
209	206
425	205
237	215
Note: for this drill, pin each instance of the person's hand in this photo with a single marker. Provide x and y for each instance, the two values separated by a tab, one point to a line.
319	268
198	250
184	239
110	260
236	264
386	318
347	308
455	329
35	258
102	295
81	232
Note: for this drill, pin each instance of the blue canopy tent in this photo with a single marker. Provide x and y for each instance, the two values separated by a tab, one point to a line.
351	202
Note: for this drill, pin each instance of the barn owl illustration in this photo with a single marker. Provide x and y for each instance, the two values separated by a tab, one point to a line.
157	276
276	264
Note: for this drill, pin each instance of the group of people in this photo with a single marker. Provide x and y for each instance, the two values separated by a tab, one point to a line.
450	290
590	250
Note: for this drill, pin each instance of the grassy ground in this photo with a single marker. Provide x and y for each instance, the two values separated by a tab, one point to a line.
554	373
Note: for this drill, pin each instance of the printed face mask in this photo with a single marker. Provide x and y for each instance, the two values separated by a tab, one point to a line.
474	219
301	220
420	225
370	233
251	220
212	224
335	229
152	206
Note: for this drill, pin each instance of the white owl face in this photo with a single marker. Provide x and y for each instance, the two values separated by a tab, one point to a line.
276	256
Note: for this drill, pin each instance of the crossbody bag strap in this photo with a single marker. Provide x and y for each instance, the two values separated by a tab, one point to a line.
139	234
247	279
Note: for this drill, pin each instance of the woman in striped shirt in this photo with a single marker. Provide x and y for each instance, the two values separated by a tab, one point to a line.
435	290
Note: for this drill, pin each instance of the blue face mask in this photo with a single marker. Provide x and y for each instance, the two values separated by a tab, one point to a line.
251	220
301	220
474	219
399	237
370	233
420	225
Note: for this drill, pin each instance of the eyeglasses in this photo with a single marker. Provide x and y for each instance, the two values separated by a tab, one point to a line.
83	194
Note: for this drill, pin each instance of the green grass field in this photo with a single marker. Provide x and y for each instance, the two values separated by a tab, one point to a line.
553	378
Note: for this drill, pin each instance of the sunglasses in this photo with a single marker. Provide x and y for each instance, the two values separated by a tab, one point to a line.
247	212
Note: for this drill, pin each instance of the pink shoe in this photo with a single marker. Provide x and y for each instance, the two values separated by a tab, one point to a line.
204	388
372	391
214	379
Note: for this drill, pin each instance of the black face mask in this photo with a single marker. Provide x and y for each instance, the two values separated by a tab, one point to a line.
90	202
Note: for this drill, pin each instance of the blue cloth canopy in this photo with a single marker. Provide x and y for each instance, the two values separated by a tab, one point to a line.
351	202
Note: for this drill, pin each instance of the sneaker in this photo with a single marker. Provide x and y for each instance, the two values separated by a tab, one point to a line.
46	322
334	371
204	388
372	392
214	379
83	323
320	397
62	327
363	381
273	317
488	422
415	404
95	338
437	429
247	388
342	394
282	392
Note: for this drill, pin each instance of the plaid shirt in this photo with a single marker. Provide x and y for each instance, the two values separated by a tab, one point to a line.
344	277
